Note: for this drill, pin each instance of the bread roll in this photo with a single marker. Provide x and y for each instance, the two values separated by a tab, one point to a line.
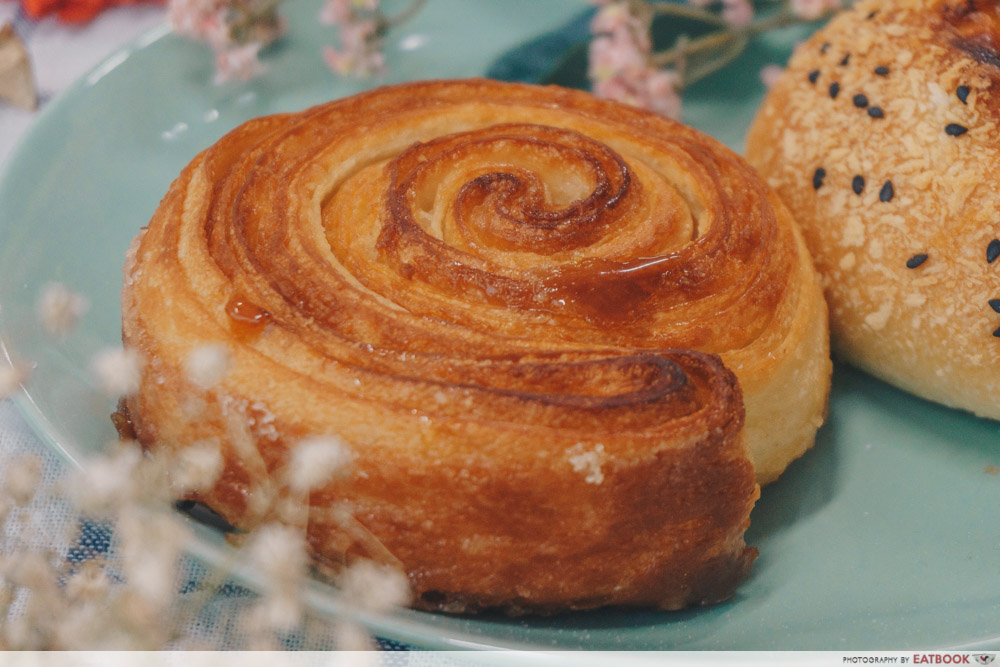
517	305
882	139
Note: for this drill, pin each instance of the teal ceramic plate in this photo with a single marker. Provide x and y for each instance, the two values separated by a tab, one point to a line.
886	536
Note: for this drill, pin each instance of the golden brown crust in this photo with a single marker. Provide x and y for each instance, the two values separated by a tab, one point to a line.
905	211
487	290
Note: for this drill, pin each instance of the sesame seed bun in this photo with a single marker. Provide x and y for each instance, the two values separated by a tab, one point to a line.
882	138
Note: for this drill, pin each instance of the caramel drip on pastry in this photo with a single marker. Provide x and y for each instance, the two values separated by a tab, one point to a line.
246	313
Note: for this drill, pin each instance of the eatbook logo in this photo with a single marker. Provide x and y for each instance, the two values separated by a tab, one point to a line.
986	658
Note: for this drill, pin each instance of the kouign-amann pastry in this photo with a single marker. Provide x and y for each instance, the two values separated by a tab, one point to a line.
882	137
534	316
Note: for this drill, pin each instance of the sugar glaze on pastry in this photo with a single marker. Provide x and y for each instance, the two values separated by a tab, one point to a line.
563	338
882	137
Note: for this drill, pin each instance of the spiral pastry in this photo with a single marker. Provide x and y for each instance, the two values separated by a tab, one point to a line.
515	304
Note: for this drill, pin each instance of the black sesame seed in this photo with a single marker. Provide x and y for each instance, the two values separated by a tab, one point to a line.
872	15
887	192
860	101
876	112
818	177
825	47
993	251
963	94
882	70
847	59
955	130
996	334
834	89
995	304
916	260
858	184
814	76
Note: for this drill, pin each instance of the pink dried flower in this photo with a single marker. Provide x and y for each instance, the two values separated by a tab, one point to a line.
621	41
648	88
238	63
611	57
235	29
659	93
811	10
737	13
335	12
620	65
190	18
215	31
361	24
360	52
611	17
770	74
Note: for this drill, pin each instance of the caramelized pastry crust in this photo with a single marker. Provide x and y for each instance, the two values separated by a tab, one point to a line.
514	303
883	139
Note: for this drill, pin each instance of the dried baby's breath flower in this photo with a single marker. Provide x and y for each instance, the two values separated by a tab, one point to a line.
197	467
105	484
117	371
375	587
89	583
770	74
34	626
80	627
22	479
208	364
316	460
60	308
150	543
34	572
348	636
12	377
139	623
278	553
278	611
20	635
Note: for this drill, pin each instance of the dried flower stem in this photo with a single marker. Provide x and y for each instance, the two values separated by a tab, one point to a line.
386	23
250	19
724	46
